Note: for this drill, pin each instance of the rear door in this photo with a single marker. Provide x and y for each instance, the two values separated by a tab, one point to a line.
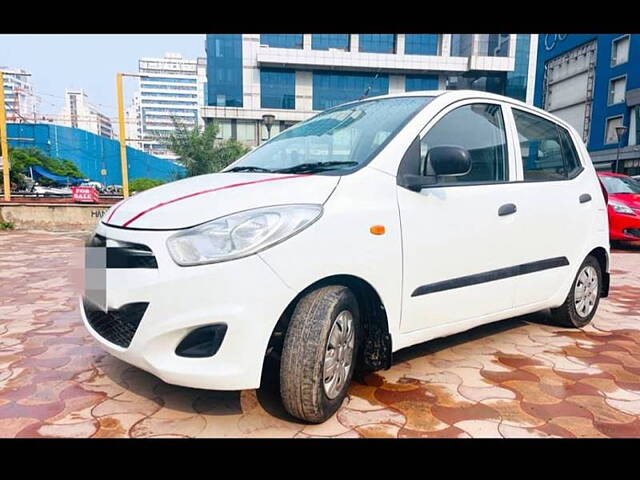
554	203
456	245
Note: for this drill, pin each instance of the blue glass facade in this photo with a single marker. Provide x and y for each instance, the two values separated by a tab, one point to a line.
377	42
516	86
421	44
281	40
325	41
551	46
277	88
333	88
224	70
420	82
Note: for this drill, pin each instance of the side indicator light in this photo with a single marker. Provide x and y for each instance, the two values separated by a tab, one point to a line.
377	230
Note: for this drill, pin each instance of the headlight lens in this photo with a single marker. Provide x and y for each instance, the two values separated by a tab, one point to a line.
621	208
240	234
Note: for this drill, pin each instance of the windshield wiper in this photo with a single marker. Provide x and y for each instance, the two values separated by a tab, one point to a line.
316	167
250	168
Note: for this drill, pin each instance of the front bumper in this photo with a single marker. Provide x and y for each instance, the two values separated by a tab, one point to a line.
244	294
624	227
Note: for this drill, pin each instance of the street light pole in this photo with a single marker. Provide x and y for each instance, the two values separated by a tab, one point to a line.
268	120
3	140
620	131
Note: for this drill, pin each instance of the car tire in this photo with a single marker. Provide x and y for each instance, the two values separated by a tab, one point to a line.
320	352
572	313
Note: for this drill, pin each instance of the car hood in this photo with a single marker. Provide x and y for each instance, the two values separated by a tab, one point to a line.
630	199
196	200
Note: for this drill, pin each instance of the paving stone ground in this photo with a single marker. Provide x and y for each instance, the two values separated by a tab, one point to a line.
522	377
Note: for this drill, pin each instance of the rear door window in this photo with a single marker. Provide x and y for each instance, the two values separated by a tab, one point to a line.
569	152
548	152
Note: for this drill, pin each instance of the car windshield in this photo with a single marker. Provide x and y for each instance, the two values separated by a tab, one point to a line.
340	139
615	185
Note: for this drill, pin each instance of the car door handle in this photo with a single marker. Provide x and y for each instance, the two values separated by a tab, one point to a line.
507	209
585	197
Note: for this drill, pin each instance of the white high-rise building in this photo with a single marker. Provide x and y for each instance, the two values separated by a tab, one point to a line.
20	101
171	89
79	113
132	127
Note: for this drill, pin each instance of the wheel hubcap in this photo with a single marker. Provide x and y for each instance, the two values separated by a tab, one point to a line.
338	356
586	291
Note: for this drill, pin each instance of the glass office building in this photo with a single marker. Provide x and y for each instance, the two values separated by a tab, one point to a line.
294	76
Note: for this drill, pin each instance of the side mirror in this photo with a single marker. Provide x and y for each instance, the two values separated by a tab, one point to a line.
440	161
449	160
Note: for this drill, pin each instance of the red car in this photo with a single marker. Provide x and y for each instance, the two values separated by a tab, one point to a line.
623	199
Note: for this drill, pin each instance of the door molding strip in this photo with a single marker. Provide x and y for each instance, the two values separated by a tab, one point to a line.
491	276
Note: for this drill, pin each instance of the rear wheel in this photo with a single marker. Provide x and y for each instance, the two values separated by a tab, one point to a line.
582	302
319	353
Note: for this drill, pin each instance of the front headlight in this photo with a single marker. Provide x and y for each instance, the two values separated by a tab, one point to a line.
621	208
240	234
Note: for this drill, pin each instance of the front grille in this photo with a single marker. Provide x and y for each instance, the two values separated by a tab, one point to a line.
118	326
633	231
101	254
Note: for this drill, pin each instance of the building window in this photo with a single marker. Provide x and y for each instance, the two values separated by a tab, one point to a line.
224	129
610	136
246	132
277	88
634	126
493	44
377	43
617	88
224	70
620	51
421	44
414	83
281	40
325	41
333	88
461	44
167	80
490	82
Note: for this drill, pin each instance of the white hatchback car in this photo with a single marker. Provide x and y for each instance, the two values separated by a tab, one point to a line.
373	226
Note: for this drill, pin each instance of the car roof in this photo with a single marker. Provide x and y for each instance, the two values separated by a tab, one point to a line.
457	95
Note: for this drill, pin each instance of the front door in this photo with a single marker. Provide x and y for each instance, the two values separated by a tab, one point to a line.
457	234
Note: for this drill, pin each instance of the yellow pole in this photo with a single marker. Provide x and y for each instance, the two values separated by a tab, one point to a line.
3	141
123	143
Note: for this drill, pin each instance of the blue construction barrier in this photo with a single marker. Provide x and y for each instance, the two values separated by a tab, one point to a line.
91	153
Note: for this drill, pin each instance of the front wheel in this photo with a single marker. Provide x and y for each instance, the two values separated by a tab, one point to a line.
582	302
320	349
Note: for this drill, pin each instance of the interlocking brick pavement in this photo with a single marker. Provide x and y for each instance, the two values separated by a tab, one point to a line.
522	377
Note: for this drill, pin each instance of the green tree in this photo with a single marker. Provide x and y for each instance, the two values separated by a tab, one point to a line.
23	158
199	150
142	184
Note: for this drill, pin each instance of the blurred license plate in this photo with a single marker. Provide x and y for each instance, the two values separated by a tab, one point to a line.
95	276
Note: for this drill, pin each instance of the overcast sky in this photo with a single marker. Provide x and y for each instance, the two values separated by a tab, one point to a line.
58	62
